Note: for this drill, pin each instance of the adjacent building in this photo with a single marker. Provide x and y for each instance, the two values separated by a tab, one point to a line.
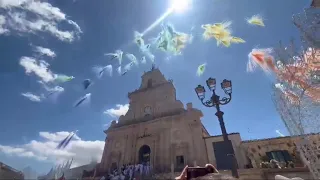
315	3
78	172
29	173
7	172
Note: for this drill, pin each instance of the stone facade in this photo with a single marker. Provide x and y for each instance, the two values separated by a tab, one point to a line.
77	172
158	123
315	3
158	128
7	172
256	150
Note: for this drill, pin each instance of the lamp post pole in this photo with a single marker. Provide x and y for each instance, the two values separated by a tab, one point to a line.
215	101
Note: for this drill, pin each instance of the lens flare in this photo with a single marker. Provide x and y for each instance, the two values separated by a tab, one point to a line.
180	5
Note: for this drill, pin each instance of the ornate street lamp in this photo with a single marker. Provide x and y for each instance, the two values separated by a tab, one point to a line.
216	101
200	92
227	86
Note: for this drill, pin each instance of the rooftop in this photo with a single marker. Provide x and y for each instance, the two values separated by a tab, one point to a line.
315	3
221	135
274	138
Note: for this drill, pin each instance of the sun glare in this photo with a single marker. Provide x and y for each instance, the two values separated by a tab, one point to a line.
177	6
180	5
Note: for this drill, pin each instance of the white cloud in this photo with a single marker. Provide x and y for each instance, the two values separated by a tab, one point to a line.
55	89
279	133
82	151
47	18
20	152
39	68
118	111
45	10
18	21
32	97
3	21
56	137
11	3
44	51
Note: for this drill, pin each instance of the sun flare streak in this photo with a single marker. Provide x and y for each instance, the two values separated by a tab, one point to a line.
158	21
180	6
177	6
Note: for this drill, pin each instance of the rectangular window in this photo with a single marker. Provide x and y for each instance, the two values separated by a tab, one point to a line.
180	161
280	156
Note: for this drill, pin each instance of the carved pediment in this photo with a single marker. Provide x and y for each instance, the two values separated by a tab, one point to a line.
144	119
180	145
158	94
145	135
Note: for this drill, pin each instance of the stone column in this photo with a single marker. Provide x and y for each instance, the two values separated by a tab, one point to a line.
169	135
125	150
135	148
161	154
131	148
193	152
108	154
104	155
157	154
172	170
154	153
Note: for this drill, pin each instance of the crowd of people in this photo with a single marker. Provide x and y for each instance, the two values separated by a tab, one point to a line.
133	172
129	171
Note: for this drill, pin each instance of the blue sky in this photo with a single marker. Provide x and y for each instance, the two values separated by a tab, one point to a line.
109	25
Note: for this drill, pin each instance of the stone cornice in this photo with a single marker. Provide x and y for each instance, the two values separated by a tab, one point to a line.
204	128
220	135
275	138
147	89
128	123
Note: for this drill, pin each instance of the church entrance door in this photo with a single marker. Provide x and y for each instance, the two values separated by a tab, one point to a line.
144	154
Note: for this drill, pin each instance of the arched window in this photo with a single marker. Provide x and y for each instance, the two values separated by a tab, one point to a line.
149	83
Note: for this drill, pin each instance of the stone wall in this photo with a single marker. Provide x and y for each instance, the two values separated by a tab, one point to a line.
163	176
252	174
316	3
303	173
76	172
7	172
247	174
256	149
269	174
169	137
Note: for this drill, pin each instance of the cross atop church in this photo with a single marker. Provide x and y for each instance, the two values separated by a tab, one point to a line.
153	67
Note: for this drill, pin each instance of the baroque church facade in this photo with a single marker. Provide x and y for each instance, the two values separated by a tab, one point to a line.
160	130
156	129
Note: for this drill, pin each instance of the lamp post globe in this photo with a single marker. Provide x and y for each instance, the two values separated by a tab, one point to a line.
211	83
226	85
200	92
